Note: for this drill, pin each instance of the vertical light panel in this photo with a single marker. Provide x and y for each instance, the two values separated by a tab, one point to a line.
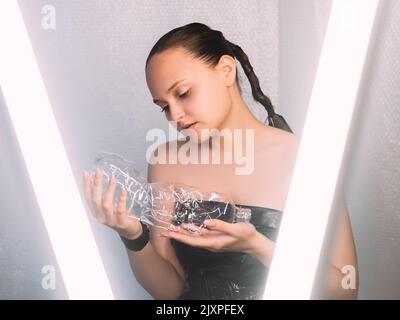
315	175
47	163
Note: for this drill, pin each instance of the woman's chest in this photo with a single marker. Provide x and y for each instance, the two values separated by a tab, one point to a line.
263	183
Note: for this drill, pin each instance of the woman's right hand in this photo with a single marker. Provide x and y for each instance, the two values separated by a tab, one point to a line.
114	215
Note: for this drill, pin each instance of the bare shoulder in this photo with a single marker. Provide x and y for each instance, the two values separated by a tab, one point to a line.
287	148
290	143
275	166
283	144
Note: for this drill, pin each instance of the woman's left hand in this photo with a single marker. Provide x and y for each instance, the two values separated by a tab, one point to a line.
217	236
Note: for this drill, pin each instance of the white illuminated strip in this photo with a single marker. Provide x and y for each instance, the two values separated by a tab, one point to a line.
47	162
311	192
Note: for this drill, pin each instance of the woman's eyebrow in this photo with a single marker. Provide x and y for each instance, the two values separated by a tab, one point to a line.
170	88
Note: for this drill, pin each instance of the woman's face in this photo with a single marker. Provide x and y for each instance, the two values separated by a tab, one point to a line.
189	91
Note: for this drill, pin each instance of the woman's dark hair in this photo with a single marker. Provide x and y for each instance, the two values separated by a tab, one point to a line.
209	45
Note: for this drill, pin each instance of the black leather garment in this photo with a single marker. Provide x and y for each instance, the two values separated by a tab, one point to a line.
227	275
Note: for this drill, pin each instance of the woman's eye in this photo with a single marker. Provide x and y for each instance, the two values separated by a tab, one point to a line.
183	95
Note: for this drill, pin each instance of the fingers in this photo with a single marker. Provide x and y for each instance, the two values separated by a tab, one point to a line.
212	240
104	211
108	200
221	226
193	230
97	189
196	230
88	185
121	206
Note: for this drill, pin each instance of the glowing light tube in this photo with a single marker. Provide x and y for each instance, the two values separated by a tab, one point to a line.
315	175
41	145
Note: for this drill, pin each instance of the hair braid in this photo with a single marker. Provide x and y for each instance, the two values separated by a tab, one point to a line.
273	118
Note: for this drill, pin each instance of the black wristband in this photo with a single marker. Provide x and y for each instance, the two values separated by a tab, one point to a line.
138	243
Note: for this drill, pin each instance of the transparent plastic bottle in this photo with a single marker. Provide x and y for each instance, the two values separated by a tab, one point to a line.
127	176
165	205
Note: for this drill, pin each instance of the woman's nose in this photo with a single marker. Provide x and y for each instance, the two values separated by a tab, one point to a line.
176	113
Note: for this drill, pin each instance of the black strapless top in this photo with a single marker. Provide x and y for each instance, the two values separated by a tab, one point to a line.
227	275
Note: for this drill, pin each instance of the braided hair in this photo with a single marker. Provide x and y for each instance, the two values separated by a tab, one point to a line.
209	45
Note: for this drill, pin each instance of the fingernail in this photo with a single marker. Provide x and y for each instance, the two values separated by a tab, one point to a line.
174	228
208	223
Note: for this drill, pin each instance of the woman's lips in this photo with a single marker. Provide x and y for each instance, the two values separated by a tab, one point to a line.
190	126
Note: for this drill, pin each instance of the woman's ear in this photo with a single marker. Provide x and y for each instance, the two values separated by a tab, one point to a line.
226	67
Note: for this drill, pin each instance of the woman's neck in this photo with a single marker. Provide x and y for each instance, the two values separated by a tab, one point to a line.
240	116
241	120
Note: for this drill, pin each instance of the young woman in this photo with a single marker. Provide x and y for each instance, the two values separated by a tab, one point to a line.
192	75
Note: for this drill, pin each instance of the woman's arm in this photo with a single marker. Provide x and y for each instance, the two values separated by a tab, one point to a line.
262	248
342	280
342	277
155	273
156	266
158	271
